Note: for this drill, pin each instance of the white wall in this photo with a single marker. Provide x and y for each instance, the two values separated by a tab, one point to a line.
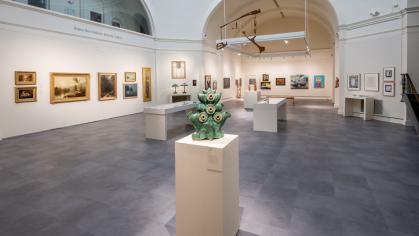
319	63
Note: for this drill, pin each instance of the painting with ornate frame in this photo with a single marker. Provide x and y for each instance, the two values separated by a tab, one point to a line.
147	93
25	78
280	81
130	91
69	87
354	82
178	70
130	77
25	94
207	82
107	86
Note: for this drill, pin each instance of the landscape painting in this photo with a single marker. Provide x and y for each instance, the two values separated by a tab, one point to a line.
146	84
68	87
25	78
130	77
107	86
299	82
130	91
280	81
25	94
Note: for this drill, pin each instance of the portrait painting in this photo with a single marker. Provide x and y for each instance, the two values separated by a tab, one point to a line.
25	78
280	81
299	81
214	85
25	94
107	87
178	70
207	82
354	82
226	83
388	90
147	94
130	77
130	91
389	75
69	87
318	81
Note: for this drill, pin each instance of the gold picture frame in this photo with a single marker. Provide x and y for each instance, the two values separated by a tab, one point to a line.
107	86
25	78
130	77
178	70
25	94
69	87
147	92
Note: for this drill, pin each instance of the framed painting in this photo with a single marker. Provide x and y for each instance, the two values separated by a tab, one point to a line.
107	86
25	78
147	94
388	74
25	94
226	83
178	70
318	81
95	16
280	81
265	77
299	82
354	82
130	77
207	82
371	82
194	82
69	87
389	89
252	84
266	85
214	85
130	91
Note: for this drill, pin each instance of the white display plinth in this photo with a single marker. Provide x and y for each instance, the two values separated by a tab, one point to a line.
368	106
267	114
251	98
207	186
156	118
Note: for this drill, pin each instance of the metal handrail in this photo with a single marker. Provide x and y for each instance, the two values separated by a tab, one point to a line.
408	86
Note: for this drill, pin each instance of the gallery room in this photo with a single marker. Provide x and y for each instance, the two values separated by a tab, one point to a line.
209	118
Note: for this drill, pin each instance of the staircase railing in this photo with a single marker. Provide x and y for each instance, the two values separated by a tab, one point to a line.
408	87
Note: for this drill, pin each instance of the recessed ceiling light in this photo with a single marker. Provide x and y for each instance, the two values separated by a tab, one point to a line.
286	41
239	54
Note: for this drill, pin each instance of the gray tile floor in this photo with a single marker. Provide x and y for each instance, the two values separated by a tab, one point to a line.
320	174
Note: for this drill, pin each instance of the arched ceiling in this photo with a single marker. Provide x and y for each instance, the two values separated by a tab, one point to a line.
322	22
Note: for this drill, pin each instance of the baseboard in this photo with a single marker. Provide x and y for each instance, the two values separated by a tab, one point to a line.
381	118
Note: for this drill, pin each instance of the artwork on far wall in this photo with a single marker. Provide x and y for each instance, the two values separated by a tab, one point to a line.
214	85
147	94
239	88
299	82
226	83
389	89
372	82
265	85
194	82
107	86
265	77
69	87
354	82
252	84
130	91
95	16
130	77
337	82
178	70
318	81
25	94
207	82
25	78
388	74
280	81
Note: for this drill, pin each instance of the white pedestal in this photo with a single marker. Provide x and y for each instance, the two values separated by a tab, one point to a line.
251	98
207	186
266	115
368	106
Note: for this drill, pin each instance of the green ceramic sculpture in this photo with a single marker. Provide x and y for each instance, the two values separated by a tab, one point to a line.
209	117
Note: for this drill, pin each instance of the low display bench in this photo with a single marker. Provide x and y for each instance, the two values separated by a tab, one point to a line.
267	113
156	118
368	106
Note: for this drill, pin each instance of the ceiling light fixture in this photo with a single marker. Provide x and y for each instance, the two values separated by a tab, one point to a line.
286	41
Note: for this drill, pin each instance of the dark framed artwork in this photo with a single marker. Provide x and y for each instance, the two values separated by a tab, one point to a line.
226	83
25	94
95	16
265	77
107	86
130	91
207	82
280	81
194	82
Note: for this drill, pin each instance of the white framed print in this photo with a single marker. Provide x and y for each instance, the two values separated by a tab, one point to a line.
372	82
354	82
388	74
389	89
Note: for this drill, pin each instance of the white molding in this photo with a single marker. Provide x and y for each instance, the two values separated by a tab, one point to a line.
372	21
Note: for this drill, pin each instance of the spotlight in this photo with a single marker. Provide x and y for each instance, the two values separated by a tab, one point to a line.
286	41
